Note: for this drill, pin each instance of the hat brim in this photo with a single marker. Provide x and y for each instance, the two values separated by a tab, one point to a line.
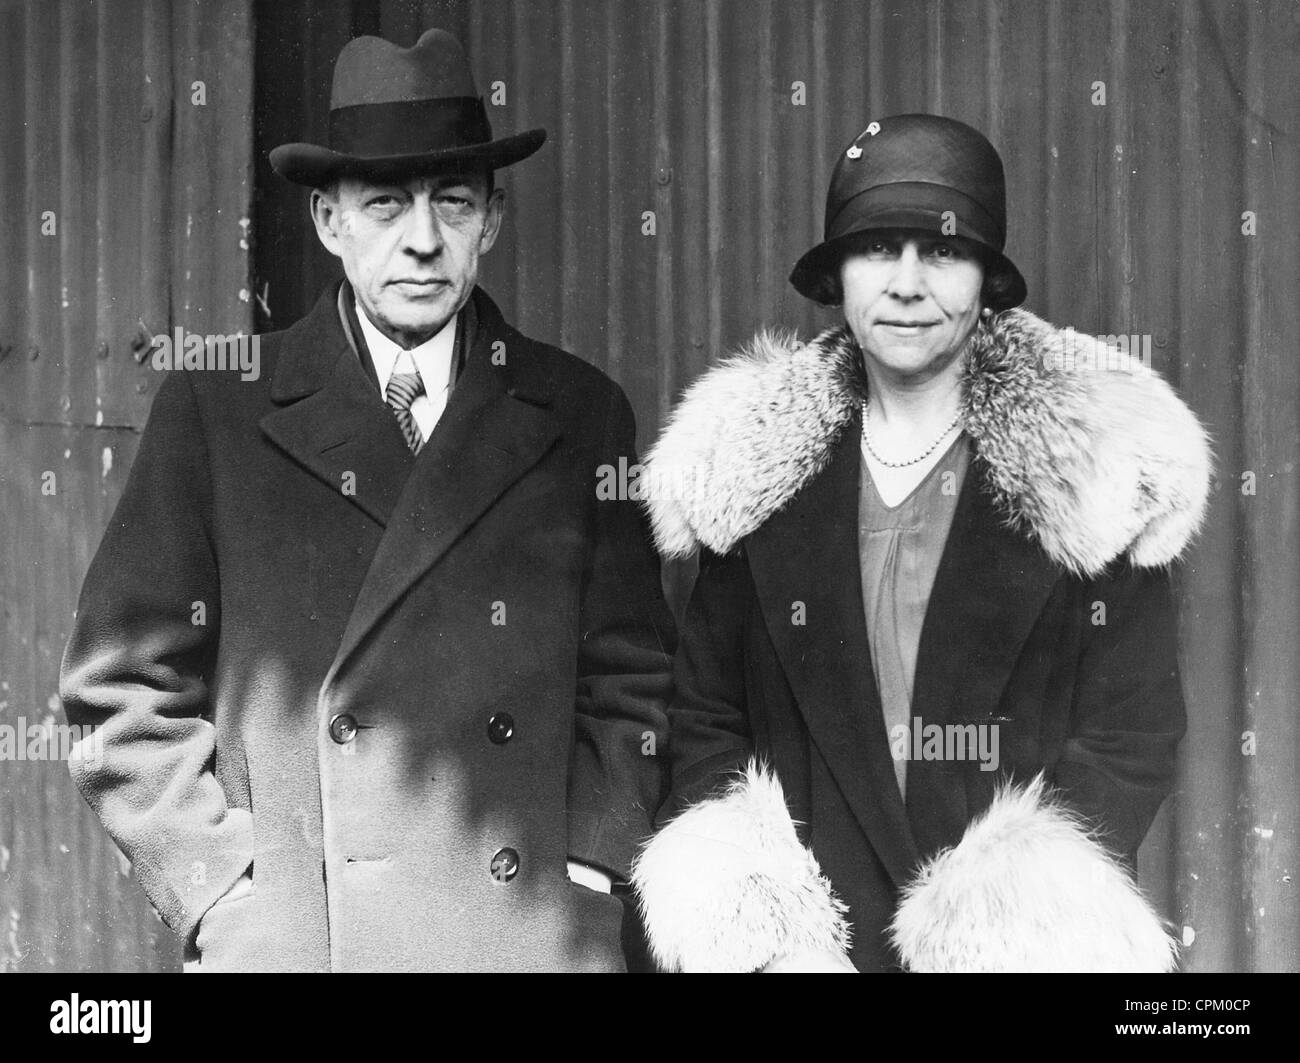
313	165
817	273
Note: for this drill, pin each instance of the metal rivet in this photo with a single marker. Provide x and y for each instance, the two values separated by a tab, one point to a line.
143	337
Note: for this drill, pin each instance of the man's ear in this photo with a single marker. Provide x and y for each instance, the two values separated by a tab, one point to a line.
325	213
496	208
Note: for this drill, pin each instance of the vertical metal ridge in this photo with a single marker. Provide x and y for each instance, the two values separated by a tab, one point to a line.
937	57
666	213
614	240
716	156
1125	73
1210	758
567	145
1271	449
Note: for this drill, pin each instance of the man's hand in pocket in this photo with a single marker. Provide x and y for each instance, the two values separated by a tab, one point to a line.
211	921
243	887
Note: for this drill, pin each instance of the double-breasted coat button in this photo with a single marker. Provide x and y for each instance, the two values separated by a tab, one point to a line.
343	728
500	728
505	865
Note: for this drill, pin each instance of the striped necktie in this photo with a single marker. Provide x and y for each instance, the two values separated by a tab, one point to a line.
403	388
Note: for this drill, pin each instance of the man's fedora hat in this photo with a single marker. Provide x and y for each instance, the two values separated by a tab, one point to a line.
398	111
914	171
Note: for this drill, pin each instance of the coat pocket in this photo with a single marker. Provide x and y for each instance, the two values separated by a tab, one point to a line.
597	918
226	931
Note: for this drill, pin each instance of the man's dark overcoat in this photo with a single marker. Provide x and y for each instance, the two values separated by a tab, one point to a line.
403	690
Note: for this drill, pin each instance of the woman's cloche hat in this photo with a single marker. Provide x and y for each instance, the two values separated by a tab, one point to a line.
913	171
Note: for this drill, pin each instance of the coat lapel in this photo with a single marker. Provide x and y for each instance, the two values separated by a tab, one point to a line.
330	419
808	553
990	587
496	426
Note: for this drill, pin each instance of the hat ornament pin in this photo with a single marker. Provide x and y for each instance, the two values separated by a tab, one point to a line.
854	151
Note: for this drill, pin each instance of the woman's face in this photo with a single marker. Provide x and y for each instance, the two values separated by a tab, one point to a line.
911	299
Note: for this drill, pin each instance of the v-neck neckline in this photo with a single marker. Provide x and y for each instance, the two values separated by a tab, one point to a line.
911	496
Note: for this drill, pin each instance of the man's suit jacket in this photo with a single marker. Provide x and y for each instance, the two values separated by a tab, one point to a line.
405	690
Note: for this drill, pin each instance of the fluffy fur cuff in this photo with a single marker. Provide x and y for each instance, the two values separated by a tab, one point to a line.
1028	888
728	887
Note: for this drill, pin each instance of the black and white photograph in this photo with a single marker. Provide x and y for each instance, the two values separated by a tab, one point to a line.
651	486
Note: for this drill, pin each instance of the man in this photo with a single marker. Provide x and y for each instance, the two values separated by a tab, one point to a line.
372	665
934	548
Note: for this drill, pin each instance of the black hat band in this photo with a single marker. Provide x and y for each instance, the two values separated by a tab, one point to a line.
925	201
409	127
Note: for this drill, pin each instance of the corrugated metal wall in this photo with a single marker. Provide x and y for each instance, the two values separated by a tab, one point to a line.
148	178
1126	218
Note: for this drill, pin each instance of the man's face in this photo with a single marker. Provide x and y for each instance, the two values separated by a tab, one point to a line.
911	299
410	249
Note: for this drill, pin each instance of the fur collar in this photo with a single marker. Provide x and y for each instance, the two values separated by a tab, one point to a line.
1092	459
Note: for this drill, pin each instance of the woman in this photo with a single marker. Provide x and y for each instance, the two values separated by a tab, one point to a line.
934	549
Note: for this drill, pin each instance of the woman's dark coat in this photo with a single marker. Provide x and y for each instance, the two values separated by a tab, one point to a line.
1050	618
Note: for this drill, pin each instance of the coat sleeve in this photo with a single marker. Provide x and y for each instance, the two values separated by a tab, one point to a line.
624	674
136	670
1128	714
1033	859
726	885
709	732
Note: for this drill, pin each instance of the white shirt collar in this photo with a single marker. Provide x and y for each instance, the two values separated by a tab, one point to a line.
432	358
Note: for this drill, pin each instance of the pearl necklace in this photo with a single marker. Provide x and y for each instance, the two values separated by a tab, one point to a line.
866	440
